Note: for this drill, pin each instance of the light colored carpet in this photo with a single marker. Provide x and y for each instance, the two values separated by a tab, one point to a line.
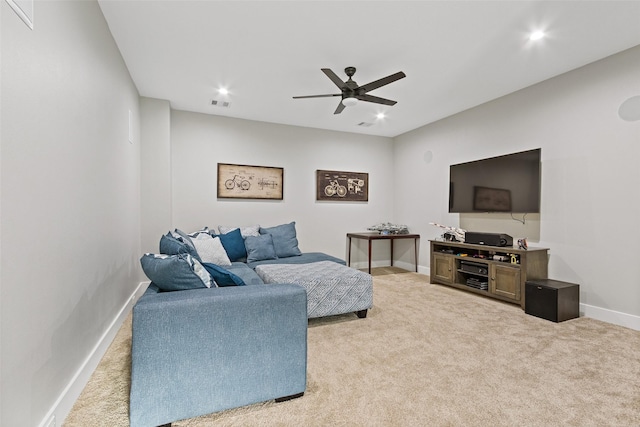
427	355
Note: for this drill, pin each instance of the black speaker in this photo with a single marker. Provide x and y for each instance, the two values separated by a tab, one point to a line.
552	299
491	239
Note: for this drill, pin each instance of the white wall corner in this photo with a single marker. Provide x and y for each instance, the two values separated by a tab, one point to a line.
63	405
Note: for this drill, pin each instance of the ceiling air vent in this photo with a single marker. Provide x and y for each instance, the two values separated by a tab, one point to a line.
223	104
365	124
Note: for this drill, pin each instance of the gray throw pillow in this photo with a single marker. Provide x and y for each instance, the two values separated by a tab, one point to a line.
175	272
170	245
285	240
260	248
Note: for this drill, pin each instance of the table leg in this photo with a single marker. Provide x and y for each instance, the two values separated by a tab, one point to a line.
369	256
349	256
415	252
391	243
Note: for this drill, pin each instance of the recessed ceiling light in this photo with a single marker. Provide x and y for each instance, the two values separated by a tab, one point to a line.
536	35
380	116
223	91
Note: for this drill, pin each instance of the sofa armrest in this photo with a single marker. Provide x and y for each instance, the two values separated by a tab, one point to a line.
204	350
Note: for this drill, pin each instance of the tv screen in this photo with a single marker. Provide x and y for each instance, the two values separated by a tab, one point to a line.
509	183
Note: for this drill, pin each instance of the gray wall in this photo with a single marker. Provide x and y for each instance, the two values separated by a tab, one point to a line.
70	212
155	170
199	142
71	206
590	203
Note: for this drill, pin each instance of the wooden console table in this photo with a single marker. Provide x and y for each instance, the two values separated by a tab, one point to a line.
499	272
377	236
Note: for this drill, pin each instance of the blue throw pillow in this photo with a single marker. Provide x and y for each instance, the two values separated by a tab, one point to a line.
233	243
169	245
285	240
222	276
184	237
175	272
260	248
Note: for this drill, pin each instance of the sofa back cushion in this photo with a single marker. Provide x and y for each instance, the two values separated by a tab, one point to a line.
285	240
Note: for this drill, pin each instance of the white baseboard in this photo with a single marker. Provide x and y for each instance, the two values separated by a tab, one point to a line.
70	394
610	316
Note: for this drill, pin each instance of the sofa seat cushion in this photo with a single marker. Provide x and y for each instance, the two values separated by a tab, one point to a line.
242	270
305	258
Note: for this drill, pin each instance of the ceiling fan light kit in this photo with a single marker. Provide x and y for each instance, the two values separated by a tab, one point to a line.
350	102
351	93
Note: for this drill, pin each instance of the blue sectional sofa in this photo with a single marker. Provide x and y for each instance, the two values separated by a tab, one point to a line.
211	346
204	350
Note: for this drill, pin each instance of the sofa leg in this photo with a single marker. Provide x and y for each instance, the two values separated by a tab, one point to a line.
361	314
285	398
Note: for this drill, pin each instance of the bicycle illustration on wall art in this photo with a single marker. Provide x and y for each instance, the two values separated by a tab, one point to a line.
249	182
342	186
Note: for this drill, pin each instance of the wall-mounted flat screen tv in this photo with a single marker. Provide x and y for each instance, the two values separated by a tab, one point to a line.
509	183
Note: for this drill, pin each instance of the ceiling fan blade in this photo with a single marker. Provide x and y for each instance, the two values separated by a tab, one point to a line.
376	99
339	109
383	81
317	96
334	78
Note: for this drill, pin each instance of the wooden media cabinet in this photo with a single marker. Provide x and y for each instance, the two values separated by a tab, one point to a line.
492	271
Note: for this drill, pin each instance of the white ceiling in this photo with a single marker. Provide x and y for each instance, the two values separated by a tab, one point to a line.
456	54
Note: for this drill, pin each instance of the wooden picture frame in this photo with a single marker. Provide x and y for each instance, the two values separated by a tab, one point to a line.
249	182
487	199
342	186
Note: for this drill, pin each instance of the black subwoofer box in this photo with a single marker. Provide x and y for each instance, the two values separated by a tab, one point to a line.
552	299
491	239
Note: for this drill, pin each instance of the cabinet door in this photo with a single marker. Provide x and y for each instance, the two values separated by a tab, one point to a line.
443	268
505	281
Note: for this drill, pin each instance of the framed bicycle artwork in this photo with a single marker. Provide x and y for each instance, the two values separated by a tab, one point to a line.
249	182
342	186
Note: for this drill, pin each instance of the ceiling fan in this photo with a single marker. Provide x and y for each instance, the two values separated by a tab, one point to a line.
351	92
